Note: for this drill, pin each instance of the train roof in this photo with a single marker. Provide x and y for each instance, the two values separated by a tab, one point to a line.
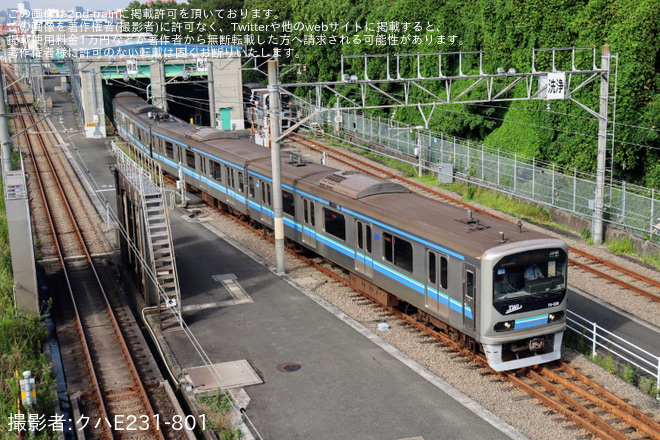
381	201
133	103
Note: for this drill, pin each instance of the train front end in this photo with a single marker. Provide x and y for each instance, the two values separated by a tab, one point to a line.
523	307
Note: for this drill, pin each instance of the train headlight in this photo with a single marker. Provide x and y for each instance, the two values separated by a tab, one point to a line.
505	326
556	316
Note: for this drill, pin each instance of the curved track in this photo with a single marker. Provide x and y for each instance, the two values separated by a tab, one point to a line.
560	387
117	392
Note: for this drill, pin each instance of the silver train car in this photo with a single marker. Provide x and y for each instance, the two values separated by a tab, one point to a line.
493	286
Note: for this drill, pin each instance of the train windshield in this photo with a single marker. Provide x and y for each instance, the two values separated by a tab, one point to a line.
533	274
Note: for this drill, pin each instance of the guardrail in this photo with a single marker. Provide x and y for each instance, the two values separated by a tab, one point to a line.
603	342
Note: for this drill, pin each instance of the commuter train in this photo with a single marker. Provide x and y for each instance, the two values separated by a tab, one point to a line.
461	271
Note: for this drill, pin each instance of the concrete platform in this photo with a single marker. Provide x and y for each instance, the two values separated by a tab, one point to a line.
324	376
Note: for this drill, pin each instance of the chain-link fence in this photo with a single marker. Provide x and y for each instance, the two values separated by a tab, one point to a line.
630	207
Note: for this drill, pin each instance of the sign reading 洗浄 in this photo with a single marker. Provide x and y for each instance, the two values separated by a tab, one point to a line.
556	86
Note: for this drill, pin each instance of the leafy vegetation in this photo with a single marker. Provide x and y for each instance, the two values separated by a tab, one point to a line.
622	246
505	30
219	411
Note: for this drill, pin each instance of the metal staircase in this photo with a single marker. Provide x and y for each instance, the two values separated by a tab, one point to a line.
156	247
159	242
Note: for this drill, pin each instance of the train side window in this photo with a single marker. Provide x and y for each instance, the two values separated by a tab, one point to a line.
368	238
265	193
190	159
433	276
308	212
360	236
241	184
387	247
216	171
251	187
444	271
288	203
230	177
335	223
469	284
398	252
169	149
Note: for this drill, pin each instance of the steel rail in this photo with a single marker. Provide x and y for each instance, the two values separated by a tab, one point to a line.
580	415
611	278
141	391
59	251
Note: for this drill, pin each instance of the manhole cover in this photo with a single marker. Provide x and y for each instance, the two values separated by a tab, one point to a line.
287	368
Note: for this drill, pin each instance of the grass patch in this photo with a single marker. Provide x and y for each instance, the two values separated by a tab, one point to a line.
219	412
652	260
22	337
503	203
621	247
471	192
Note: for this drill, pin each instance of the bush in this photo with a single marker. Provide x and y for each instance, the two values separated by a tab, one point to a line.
622	246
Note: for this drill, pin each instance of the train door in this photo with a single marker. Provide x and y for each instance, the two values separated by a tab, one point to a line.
309	223
203	185
266	203
230	181
364	262
437	299
469	290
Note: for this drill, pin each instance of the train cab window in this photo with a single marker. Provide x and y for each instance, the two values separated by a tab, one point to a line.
190	159
288	203
398	251
241	184
169	149
532	274
251	187
216	171
335	223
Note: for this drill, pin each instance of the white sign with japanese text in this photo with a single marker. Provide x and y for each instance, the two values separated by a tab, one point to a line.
132	66
556	86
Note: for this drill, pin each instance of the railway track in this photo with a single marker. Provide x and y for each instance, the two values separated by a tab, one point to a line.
619	275
580	400
558	386
564	390
561	388
113	401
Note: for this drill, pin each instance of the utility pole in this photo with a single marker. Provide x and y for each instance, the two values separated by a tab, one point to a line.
278	220
209	72
5	149
599	198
